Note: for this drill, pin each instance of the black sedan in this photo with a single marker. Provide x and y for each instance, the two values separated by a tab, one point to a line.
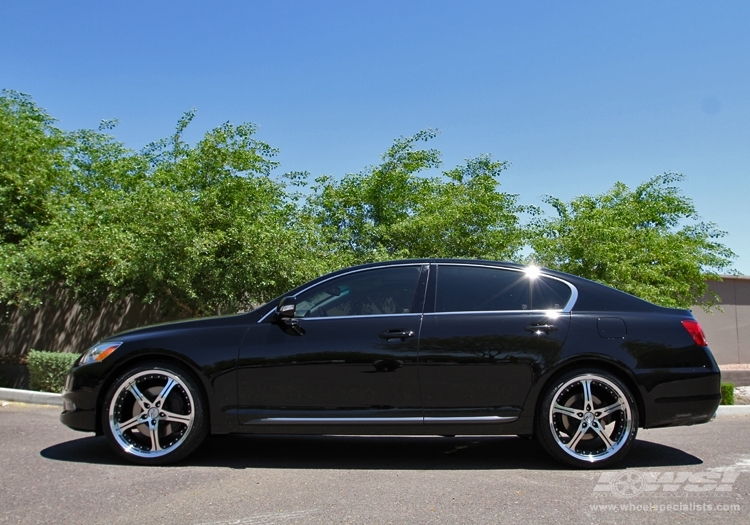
440	347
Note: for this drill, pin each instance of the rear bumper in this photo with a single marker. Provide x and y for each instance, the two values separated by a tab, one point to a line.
674	397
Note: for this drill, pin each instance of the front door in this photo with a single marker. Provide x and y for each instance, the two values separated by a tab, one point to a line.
355	361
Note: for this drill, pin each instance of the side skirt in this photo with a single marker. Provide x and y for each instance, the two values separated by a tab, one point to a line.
444	426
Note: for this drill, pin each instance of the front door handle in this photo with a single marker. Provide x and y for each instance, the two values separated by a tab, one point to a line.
541	327
398	333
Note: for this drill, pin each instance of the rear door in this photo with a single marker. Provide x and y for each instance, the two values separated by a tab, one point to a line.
485	332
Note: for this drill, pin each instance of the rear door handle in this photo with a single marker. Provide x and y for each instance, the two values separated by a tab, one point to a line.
541	327
398	333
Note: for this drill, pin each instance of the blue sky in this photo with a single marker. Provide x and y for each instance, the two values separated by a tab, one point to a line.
576	95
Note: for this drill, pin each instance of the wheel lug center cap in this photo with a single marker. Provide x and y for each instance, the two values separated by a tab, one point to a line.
588	417
153	413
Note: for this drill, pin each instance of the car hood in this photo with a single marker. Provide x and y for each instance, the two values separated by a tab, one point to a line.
187	324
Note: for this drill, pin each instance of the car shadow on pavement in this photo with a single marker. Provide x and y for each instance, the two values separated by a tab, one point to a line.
370	453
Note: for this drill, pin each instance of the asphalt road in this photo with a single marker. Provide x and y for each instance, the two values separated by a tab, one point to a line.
50	474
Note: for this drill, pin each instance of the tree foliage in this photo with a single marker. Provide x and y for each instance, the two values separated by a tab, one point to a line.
390	211
31	164
206	228
648	241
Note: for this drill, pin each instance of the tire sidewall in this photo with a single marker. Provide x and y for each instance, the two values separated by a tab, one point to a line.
545	433
196	434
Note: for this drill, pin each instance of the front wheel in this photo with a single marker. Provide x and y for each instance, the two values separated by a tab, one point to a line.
154	414
588	419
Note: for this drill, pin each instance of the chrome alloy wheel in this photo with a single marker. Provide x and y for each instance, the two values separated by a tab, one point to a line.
590	418
151	413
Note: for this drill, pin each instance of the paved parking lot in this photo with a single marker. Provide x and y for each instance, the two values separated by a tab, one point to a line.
50	474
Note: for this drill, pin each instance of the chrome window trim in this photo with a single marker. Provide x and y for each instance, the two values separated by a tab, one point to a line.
550	313
378	420
420	264
565	309
365	316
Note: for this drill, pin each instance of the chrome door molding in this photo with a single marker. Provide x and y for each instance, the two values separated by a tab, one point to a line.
379	420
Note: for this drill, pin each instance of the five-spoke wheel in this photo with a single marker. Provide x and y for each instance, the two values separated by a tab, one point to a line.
588	419
154	414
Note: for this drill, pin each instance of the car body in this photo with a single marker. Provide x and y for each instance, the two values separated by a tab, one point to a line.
420	347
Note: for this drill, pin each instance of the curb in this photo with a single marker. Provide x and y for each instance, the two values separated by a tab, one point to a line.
48	398
733	410
30	396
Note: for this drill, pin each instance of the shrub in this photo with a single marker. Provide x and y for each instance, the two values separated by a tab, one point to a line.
727	393
47	370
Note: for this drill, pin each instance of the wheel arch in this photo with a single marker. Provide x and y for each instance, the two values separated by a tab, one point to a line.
618	370
151	355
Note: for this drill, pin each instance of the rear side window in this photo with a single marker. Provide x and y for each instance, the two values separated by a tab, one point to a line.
550	294
473	289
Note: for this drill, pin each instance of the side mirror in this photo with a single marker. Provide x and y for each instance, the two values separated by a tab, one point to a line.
286	308
285	317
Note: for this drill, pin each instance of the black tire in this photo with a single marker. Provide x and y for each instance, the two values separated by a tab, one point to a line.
588	419
153	414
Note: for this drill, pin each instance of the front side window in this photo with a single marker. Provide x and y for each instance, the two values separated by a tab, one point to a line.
380	291
475	289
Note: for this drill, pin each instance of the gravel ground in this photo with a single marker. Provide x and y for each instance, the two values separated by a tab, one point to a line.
742	395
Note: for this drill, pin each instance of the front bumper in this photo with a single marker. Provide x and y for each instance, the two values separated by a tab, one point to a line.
80	394
78	413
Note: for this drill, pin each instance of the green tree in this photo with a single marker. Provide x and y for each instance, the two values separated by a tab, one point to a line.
202	228
391	211
206	229
648	241
31	164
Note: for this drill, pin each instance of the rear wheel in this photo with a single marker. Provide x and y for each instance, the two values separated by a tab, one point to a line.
154	414
588	419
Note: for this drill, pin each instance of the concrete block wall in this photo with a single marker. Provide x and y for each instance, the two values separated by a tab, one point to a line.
728	332
63	325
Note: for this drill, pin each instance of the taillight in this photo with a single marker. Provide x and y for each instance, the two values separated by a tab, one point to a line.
695	331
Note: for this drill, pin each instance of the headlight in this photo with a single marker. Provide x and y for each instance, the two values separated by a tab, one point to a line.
99	352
